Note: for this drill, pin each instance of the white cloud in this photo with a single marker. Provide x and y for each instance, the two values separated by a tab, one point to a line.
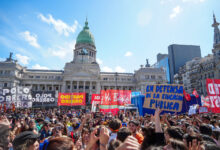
63	52
2	59
99	61
119	69
37	66
107	69
22	59
127	54
175	12
60	26
144	17
31	39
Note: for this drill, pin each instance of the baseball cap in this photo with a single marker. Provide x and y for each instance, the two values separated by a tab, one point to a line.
22	137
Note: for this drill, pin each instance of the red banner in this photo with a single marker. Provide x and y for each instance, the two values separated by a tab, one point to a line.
71	99
111	99
96	98
213	90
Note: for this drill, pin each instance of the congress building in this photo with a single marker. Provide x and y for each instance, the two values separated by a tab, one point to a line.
82	74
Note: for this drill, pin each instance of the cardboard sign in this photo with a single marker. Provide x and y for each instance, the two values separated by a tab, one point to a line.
71	99
166	97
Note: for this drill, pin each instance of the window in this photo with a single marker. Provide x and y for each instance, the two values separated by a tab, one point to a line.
80	87
5	84
152	76
50	88
51	77
105	78
37	77
146	76
75	87
31	77
68	87
159	77
129	79
57	88
93	87
1	72
87	87
7	72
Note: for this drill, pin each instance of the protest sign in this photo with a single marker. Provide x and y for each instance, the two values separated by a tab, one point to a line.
19	96
213	90
43	98
96	100
112	99
166	97
203	109
71	99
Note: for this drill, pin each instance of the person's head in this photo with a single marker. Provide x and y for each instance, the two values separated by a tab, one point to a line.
31	124
123	133
205	129
206	119
173	132
57	130
114	144
26	140
188	138
85	135
115	125
175	145
4	138
133	126
60	143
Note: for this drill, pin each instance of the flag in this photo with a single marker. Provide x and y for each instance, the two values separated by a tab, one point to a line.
186	95
195	93
5	109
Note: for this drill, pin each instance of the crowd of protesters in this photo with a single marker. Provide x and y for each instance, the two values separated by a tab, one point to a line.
60	129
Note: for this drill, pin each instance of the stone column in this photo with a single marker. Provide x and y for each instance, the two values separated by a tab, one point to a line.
45	87
38	87
84	86
64	87
77	88
98	87
71	86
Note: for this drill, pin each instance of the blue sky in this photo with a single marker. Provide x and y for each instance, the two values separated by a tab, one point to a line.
42	34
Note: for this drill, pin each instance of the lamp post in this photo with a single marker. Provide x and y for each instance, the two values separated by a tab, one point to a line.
116	79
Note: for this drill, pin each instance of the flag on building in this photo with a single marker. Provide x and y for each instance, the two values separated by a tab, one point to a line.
186	95
195	93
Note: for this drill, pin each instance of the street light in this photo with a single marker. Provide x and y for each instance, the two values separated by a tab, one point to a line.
116	79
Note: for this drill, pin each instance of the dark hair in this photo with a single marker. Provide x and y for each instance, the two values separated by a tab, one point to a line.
205	129
60	143
25	145
123	133
4	132
151	138
114	144
175	132
210	146
216	134
177	145
189	138
115	124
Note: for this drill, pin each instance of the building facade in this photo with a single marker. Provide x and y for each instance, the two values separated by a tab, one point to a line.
195	72
82	74
179	55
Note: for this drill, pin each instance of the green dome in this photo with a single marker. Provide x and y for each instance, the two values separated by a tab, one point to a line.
85	36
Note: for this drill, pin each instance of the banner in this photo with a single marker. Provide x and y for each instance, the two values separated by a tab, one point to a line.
71	99
40	98
111	99
96	100
19	96
213	90
166	97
